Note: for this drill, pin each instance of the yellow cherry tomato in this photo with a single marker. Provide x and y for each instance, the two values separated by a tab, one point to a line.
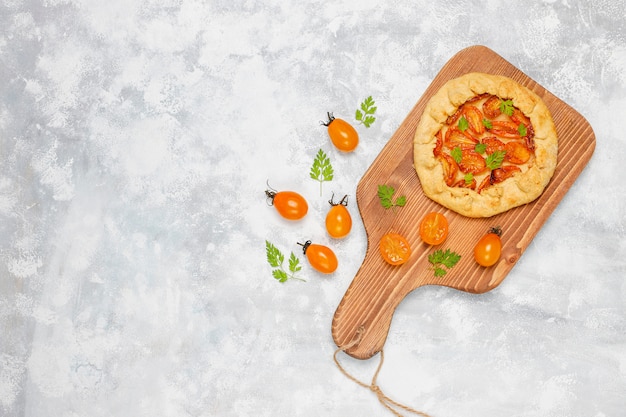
338	219
289	204
394	249
342	134
434	228
488	249
320	257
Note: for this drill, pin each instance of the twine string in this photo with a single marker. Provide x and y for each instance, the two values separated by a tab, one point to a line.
387	402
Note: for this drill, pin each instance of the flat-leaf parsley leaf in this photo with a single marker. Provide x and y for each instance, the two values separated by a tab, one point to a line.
495	159
276	258
321	170
442	261
365	115
506	107
457	154
463	124
385	193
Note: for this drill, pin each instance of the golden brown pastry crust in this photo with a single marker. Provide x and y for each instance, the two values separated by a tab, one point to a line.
520	189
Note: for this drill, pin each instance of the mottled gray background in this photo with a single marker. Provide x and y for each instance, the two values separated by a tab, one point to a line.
136	139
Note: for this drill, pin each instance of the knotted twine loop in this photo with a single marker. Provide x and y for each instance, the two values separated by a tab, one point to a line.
387	402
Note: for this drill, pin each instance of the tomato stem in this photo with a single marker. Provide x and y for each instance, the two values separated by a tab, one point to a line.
270	197
330	119
270	194
343	202
305	245
496	231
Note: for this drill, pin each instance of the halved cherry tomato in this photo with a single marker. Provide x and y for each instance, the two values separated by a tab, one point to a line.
493	144
474	119
342	134
472	162
454	138
463	183
505	129
516	152
338	219
486	182
394	249
488	249
438	144
529	139
491	107
320	257
450	168
434	228
518	117
503	173
289	204
453	119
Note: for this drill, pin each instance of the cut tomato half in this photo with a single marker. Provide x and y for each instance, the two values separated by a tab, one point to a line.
394	249
434	228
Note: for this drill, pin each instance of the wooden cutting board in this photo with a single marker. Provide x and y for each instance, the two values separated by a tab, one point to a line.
378	288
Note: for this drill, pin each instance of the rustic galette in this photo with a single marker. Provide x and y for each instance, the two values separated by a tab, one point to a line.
484	145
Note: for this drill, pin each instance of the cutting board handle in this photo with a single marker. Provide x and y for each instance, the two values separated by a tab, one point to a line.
363	317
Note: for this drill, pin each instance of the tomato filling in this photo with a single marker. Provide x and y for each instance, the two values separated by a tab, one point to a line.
486	141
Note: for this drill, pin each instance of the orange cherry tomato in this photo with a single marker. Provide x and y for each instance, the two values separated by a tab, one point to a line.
342	134
394	248
486	182
472	162
516	152
493	144
454	138
289	204
488	249
491	107
462	183
474	119
504	172
505	129
338	219
450	168
320	257
437	151
519	117
434	228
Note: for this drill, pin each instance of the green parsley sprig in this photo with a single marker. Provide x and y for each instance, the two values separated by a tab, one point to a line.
506	107
385	193
495	159
322	170
442	261
457	154
276	259
463	124
365	115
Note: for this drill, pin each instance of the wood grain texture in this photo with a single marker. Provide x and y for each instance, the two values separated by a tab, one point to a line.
378	288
